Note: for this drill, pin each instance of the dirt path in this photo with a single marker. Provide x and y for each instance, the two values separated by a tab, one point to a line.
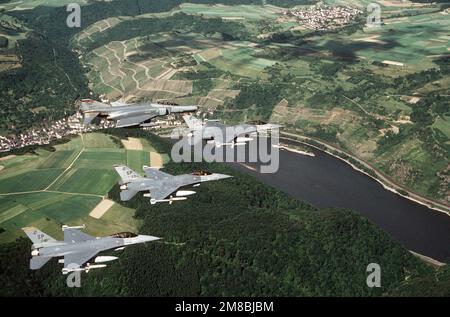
156	160
7	157
101	208
132	144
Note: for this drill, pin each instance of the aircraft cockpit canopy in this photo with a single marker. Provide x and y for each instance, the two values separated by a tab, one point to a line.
201	173
257	122
124	235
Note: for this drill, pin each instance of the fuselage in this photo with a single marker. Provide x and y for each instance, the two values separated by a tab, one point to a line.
177	181
64	248
137	109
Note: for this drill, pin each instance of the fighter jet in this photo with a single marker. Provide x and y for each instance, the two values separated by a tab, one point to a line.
128	115
159	184
78	248
221	134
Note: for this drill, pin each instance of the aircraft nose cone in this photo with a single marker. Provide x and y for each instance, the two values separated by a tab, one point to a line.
144	238
219	176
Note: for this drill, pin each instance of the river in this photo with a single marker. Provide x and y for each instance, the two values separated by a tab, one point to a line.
325	181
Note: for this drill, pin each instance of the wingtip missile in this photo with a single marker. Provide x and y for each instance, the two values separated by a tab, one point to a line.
65	227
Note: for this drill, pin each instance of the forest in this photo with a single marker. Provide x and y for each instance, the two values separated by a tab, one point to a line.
50	77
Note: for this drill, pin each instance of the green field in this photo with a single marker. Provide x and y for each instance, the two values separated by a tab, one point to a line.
59	159
443	125
100	158
44	210
86	181
98	140
29	181
80	173
136	159
241	62
411	41
236	12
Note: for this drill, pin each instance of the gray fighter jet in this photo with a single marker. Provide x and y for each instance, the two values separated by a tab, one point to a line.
159	184
128	115
78	248
221	134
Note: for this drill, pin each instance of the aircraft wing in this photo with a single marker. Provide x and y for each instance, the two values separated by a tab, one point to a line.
74	235
162	192
134	120
78	258
155	173
245	129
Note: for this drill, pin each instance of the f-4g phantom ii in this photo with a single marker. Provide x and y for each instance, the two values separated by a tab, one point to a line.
221	134
78	248
128	115
159	184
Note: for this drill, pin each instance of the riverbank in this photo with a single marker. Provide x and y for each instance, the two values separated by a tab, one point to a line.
376	175
287	148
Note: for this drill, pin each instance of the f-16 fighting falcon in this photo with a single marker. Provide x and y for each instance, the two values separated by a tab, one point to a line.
128	115
78	248
221	134
159	184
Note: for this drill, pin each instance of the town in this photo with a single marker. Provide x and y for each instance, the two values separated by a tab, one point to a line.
45	135
324	17
72	126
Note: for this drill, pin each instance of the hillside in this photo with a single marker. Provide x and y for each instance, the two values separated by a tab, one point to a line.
379	93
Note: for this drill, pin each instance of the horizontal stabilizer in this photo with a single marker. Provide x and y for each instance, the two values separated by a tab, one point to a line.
127	194
38	261
89	116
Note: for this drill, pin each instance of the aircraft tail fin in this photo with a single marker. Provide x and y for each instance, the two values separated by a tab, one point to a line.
88	107
37	236
37	262
126	173
89	104
192	122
